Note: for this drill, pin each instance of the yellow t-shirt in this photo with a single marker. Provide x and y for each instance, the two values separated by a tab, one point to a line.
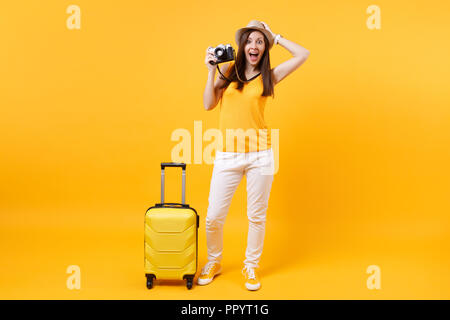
241	119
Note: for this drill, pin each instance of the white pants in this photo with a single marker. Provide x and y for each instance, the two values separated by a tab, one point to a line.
229	168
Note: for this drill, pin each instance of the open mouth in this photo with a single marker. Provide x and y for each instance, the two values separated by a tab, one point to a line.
253	56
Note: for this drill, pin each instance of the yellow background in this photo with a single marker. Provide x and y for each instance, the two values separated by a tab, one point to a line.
87	116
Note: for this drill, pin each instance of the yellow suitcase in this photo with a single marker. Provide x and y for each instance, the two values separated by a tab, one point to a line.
171	235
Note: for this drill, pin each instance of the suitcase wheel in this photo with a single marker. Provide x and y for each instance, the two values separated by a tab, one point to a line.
150	278
189	282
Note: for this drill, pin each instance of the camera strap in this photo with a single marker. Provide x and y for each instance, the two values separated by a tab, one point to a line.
237	74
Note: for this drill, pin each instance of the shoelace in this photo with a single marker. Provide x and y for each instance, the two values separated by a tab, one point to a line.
250	272
207	268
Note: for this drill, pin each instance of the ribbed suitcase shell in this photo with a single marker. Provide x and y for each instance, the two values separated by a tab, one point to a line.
171	241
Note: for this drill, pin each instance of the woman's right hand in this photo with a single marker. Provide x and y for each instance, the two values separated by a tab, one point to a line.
210	57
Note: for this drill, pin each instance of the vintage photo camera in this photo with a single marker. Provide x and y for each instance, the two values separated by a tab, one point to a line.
223	53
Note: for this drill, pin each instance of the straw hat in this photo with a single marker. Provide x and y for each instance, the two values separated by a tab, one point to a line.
254	25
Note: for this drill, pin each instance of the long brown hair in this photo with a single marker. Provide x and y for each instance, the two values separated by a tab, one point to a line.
263	66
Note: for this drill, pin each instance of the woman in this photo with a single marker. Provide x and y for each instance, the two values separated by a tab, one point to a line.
248	81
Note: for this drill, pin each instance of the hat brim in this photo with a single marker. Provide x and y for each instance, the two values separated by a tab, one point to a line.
264	31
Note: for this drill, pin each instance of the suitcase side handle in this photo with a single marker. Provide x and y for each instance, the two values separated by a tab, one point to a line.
183	179
172	205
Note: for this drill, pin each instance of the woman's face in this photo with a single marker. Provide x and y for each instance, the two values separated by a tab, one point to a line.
254	47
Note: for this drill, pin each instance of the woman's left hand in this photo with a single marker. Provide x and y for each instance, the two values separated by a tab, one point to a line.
267	28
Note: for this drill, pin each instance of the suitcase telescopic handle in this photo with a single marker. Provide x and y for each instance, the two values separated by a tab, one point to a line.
173	164
183	179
